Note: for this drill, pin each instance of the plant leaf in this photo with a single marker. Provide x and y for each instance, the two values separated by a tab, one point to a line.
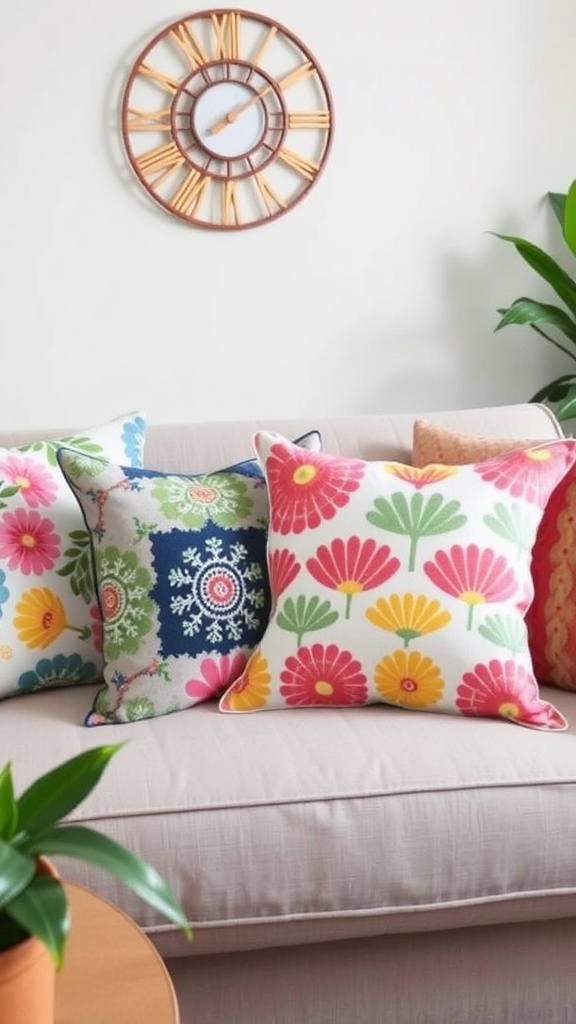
567	409
558	202
570	219
58	792
42	910
16	871
8	806
556	390
528	311
546	267
98	849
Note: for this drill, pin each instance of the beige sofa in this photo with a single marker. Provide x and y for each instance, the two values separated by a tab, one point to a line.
350	866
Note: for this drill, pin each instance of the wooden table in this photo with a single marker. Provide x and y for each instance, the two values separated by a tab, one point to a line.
112	972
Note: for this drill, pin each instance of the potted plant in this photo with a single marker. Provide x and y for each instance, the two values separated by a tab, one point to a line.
34	916
542	316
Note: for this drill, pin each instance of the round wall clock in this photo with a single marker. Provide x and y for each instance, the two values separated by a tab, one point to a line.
227	119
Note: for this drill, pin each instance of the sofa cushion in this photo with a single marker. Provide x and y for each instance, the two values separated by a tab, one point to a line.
401	585
50	625
181	579
322	823
551	618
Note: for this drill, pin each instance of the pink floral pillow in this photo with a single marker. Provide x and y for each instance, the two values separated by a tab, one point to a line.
401	585
50	624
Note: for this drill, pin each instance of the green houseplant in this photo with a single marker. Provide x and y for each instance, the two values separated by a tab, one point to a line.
32	827
543	317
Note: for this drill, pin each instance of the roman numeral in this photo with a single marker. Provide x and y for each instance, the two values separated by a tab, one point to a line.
184	37
230	206
309	119
272	201
259	55
298	75
227	29
307	168
189	196
158	164
164	81
148	120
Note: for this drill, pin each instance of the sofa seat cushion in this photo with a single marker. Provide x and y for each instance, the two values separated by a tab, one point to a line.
300	826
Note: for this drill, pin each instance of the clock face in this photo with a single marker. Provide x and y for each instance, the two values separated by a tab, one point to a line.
226	119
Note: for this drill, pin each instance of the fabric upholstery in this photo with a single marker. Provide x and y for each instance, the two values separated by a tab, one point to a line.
327	930
401	585
325	823
551	617
50	625
181	580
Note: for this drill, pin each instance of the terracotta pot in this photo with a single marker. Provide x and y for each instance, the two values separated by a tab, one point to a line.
27	983
28	978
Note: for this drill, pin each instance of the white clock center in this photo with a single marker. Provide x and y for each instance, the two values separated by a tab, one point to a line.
244	129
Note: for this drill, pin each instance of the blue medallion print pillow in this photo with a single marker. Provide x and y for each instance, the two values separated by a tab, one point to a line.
181	579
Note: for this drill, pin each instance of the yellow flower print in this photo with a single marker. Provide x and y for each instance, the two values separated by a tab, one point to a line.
432	474
539	454
251	691
40	617
409	679
6	652
408	616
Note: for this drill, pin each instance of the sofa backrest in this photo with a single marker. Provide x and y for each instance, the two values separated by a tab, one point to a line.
202	447
210	445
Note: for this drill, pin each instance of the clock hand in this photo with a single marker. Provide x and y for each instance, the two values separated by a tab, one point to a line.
231	116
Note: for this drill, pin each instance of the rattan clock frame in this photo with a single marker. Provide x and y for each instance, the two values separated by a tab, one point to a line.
183	163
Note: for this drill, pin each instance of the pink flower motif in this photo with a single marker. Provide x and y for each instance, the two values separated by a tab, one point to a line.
283	569
530	473
352	566
217	674
472	575
320	675
37	485
307	488
28	542
506	690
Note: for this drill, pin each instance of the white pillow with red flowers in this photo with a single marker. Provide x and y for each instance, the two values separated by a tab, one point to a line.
401	585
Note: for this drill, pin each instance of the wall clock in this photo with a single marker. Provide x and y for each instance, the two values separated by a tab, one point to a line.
227	119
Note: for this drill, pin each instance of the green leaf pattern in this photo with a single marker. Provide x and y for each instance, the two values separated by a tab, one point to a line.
78	565
505	631
302	616
514	523
416	517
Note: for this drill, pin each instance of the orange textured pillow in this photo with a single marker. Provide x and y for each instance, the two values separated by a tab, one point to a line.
431	443
551	618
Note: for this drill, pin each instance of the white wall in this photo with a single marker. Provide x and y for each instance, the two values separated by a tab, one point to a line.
377	292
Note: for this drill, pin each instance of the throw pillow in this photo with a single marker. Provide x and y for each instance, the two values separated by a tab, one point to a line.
432	443
50	625
181	577
401	585
551	618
